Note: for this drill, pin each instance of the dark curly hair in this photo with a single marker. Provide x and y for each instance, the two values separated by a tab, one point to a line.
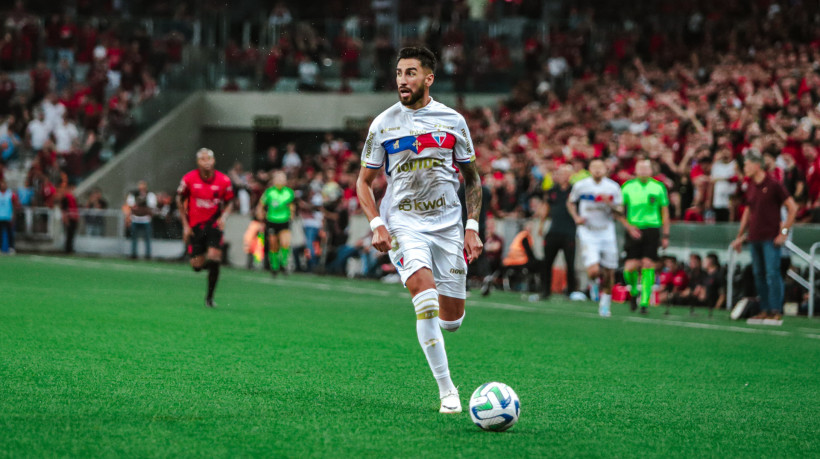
424	55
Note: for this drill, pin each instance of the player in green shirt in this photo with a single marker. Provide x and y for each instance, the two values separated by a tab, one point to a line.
646	209
278	199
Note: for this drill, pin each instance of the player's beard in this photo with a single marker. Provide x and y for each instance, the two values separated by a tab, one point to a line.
415	96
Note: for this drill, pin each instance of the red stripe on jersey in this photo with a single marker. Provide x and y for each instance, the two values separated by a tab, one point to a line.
436	140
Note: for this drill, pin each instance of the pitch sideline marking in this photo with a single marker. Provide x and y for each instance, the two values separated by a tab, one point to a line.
474	302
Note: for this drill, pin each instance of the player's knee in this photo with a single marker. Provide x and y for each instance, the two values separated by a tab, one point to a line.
451	325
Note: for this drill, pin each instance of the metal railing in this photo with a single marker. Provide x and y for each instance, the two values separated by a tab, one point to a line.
809	258
730	277
40	223
808	284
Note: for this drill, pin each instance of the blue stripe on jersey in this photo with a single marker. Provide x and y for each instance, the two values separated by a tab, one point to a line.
586	197
387	164
399	145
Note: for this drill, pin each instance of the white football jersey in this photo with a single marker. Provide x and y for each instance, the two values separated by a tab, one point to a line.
595	201
419	150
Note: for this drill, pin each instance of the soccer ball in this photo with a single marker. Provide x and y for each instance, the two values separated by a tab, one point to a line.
494	406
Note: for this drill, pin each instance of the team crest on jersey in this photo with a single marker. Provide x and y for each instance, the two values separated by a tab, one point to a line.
439	137
400	263
406	205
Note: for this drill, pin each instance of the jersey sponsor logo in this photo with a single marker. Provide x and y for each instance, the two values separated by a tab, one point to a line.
461	272
442	126
419	164
466	140
406	205
390	129
205	203
368	149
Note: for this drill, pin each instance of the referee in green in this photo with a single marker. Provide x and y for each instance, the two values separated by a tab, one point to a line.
646	220
279	202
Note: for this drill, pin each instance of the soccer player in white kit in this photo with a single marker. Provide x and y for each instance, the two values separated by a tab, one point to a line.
598	200
422	144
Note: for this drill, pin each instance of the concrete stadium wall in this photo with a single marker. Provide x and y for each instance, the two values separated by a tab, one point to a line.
161	155
307	111
230	145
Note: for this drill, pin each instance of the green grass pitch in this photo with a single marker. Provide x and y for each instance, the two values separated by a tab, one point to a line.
113	358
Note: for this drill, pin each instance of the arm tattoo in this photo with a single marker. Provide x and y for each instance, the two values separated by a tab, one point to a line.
472	189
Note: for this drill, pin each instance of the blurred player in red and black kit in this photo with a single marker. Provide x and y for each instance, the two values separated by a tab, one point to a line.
205	198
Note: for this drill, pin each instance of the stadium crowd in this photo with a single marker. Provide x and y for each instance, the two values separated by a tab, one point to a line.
79	79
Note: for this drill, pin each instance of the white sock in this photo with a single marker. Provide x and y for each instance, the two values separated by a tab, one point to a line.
606	300
431	339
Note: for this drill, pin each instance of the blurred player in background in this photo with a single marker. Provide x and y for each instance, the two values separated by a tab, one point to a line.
204	199
646	215
593	203
422	144
278	200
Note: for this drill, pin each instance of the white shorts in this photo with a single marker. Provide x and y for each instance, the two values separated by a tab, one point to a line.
442	252
598	247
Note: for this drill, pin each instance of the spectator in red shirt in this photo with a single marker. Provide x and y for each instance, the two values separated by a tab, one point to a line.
40	82
764	198
7	89
87	41
67	39
812	173
53	25
7	52
272	65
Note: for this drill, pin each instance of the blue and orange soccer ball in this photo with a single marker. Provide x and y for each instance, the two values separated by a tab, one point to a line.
494	406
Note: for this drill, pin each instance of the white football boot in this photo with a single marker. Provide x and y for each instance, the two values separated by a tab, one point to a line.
450	403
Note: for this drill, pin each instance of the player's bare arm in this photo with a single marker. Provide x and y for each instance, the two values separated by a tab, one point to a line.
632	230
545	213
665	225
226	212
182	204
364	190
260	211
573	212
472	197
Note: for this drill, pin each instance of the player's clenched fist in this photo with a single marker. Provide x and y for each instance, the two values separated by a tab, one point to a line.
381	239
472	245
